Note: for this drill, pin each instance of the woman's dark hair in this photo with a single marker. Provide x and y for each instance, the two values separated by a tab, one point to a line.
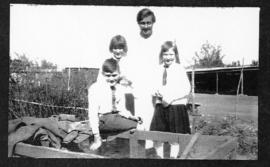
110	65
165	47
118	42
145	13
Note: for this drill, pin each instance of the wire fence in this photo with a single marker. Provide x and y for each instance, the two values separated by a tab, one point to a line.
26	108
46	94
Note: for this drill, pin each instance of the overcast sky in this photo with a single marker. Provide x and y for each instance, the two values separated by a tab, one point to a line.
70	36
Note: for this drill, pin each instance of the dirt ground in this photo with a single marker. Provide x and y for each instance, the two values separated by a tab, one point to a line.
245	107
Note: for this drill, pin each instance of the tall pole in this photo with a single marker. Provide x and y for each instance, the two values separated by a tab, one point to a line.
193	86
68	78
238	87
216	82
193	96
242	77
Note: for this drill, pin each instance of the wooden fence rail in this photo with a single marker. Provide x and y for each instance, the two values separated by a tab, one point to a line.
212	147
137	143
27	150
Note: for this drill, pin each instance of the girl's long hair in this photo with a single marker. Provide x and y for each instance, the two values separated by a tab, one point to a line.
165	47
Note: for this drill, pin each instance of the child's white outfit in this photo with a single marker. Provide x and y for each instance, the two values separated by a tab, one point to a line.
174	86
104	100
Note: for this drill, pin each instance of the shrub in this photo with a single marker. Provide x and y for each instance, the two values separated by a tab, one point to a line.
246	132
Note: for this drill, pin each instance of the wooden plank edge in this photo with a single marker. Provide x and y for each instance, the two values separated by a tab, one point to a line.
222	151
33	151
190	145
156	136
160	136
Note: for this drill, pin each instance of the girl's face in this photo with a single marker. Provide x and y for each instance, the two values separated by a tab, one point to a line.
118	53
168	57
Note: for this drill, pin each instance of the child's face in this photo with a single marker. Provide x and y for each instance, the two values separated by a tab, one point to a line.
168	57
118	53
111	78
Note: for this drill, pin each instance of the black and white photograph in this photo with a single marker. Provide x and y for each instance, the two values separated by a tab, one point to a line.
133	82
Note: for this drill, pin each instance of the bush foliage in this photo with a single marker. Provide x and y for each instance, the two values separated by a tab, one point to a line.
209	56
246	132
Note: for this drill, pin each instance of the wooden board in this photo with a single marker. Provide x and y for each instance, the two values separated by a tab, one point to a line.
205	147
224	151
33	151
190	145
155	135
213	147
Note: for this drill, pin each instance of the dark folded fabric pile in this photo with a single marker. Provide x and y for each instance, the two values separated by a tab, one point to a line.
50	132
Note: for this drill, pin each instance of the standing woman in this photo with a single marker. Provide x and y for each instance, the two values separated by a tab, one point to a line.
171	96
142	59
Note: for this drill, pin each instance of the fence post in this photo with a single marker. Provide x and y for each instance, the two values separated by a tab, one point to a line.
133	146
137	147
193	96
242	75
68	79
216	82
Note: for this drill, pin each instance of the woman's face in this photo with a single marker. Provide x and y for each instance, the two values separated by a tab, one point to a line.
146	26
118	53
168	57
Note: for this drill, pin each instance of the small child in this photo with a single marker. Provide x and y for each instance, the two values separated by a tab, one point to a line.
106	102
171	98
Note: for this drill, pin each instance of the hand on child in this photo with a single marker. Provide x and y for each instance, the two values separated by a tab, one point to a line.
97	143
125	82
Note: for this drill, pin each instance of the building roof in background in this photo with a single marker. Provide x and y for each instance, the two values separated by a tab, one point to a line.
80	68
223	69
